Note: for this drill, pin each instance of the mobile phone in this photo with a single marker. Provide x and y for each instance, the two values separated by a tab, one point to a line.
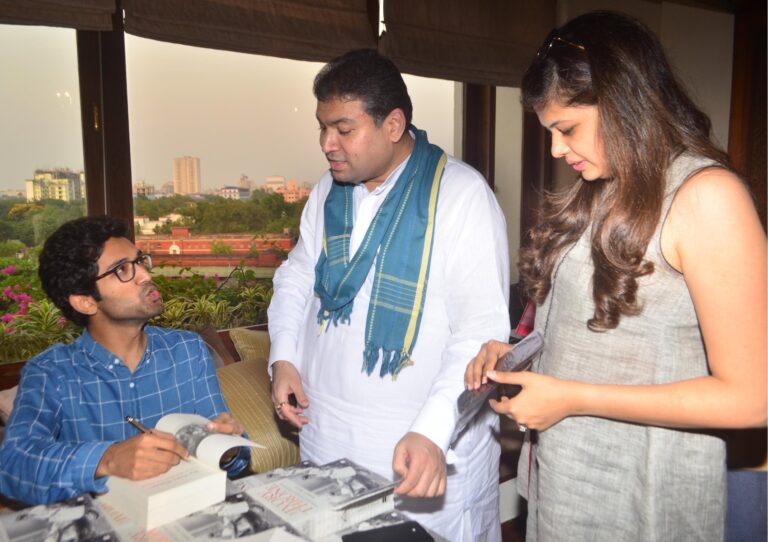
519	358
408	531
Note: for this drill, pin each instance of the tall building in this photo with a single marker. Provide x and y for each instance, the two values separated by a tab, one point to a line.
274	183
186	175
245	182
59	183
235	192
11	193
292	192
140	188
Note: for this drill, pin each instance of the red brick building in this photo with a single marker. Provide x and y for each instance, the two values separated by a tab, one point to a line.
181	248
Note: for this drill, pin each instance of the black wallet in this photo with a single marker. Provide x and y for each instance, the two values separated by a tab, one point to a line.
408	531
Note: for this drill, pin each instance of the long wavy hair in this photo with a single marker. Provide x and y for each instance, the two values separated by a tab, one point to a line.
646	119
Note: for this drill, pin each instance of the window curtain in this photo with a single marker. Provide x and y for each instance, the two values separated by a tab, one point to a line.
315	30
489	42
79	14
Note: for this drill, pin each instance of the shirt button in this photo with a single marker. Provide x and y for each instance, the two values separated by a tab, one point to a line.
131	385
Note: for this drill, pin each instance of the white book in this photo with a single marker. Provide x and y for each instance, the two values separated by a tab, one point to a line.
187	487
320	500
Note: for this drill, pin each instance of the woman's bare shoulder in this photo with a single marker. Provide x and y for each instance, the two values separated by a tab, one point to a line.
711	207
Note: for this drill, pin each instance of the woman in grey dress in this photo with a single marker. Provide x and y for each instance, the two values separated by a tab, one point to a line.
649	276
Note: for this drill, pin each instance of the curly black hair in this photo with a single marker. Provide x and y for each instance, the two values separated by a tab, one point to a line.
68	263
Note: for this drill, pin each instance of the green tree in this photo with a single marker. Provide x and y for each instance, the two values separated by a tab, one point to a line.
221	215
21	210
54	214
220	248
30	223
162	229
155	208
277	215
11	247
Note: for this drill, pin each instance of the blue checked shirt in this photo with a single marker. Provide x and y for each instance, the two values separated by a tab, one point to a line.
73	400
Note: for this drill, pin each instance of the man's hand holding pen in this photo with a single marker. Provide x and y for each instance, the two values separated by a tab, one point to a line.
142	456
154	452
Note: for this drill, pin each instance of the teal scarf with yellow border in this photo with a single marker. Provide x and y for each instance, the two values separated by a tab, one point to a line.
399	240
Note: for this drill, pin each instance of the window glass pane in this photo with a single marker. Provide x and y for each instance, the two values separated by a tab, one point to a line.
42	182
224	151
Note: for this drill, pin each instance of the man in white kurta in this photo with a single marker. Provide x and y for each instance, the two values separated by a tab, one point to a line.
346	412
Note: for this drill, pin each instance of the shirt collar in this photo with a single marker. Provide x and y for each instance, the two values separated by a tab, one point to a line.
97	354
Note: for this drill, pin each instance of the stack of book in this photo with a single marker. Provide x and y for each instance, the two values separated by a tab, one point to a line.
300	502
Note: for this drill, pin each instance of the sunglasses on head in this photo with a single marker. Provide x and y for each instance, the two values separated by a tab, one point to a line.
552	40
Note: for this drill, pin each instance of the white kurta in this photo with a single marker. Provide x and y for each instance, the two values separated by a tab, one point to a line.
363	417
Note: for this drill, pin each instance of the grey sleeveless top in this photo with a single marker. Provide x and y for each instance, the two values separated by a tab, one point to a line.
599	479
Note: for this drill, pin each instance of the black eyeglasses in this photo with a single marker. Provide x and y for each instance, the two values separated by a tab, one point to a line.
553	39
127	270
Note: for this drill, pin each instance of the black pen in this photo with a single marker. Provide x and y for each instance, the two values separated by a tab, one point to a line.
143	428
137	424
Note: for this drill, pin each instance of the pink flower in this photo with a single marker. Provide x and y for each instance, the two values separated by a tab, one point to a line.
10	270
8	292
7	317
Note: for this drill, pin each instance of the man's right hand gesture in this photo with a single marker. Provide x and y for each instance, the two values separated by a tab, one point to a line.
142	456
286	381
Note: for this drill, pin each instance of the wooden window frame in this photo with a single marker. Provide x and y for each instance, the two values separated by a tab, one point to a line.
106	141
104	119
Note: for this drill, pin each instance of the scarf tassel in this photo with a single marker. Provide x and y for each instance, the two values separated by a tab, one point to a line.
399	241
392	361
342	314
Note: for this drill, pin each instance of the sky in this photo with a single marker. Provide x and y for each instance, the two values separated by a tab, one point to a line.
238	113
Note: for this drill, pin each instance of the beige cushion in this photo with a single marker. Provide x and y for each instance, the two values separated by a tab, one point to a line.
247	390
251	344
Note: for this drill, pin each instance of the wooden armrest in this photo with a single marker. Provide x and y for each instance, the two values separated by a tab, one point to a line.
214	341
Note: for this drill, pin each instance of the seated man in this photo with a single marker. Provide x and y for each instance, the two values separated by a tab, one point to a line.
68	432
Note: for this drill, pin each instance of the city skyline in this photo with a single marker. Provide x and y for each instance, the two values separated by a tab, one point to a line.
238	113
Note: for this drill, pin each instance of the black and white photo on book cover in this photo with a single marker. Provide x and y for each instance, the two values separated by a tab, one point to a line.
340	483
203	444
236	517
75	520
382	520
320	500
